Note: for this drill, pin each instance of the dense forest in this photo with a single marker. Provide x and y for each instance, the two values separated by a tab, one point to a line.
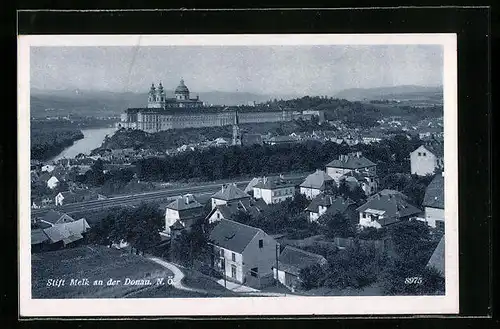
391	156
168	139
49	140
357	114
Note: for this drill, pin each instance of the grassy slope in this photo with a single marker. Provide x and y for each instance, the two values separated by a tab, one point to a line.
92	262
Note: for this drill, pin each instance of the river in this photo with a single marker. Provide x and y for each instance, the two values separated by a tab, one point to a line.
92	138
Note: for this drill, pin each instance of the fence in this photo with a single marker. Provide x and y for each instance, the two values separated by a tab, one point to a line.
378	245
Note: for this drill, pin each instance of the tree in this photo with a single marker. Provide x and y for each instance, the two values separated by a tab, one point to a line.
355	267
398	279
337	225
140	227
409	238
311	277
242	217
412	250
190	245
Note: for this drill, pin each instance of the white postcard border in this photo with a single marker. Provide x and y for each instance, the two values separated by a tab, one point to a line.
241	306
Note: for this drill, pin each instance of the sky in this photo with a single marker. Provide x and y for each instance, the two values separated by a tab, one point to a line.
298	70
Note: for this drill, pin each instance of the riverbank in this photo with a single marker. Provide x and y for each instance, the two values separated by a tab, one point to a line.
92	138
46	144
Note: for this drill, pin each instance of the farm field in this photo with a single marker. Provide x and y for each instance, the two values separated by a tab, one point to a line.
94	263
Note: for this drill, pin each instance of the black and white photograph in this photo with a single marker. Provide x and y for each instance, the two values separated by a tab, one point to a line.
238	174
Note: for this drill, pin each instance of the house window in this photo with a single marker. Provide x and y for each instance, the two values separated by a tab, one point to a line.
254	272
218	216
419	153
221	252
425	154
261	243
233	257
363	215
233	271
440	225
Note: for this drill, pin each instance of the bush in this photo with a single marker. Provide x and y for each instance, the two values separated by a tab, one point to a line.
399	279
312	277
355	267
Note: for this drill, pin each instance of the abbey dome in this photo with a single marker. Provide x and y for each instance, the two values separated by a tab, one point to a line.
182	88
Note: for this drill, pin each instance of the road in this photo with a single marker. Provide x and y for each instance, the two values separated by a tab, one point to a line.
134	199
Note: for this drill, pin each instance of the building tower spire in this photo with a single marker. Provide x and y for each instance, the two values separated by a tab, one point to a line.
236	130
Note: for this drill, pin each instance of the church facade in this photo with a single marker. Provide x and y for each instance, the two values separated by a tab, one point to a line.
182	111
158	100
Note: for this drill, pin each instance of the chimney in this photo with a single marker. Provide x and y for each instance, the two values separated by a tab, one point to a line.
223	187
264	180
442	173
281	176
188	198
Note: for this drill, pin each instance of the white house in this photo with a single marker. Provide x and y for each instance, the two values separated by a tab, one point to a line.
274	190
48	168
426	159
228	193
250	206
52	182
293	260
348	163
251	184
364	179
385	208
371	139
316	183
434	202
77	195
242	253
65	198
185	209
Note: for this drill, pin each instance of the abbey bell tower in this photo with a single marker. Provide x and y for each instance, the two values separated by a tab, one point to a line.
156	97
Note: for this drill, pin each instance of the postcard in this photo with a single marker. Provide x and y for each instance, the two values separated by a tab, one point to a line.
237	175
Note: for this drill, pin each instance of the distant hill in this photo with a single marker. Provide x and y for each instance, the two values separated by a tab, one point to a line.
417	93
104	103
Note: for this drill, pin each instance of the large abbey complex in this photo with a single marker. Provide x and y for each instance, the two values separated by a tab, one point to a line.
164	113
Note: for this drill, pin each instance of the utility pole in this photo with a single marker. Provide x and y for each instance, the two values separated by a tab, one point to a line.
277	256
224	271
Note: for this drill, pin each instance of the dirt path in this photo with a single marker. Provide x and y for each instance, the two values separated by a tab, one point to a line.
240	289
178	276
